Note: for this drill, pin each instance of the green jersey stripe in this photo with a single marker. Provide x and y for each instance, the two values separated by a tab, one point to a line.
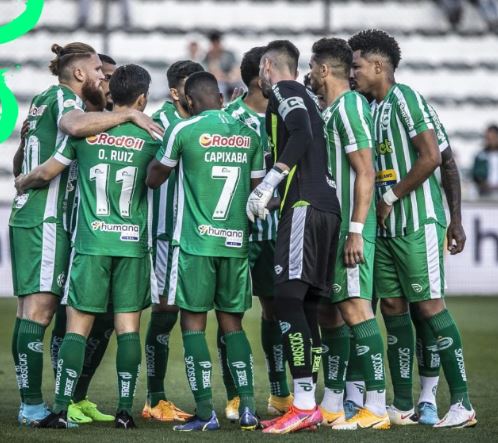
166	160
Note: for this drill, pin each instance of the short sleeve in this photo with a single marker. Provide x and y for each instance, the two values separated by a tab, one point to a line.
442	136
412	111
170	151
355	124
258	167
66	151
67	101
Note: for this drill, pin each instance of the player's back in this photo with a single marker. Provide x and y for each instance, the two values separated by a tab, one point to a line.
310	180
43	136
113	207
217	155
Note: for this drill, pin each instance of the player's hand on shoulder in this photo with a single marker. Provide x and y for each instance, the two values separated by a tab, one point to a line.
145	122
237	92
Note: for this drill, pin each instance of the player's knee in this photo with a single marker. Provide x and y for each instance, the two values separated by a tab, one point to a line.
355	311
393	306
428	308
192	321
229	322
39	308
329	316
267	308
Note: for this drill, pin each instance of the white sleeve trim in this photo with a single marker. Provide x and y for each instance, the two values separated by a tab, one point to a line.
258	174
61	159
168	162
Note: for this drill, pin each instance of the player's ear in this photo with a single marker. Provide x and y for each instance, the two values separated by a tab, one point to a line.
378	65
141	102
174	94
221	100
79	74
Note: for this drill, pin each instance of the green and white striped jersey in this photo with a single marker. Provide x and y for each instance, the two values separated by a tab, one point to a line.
261	229
441	134
217	156
349	128
165	198
402	115
36	206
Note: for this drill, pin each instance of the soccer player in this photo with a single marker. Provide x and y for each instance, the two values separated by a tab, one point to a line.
165	313
308	229
428	359
81	410
217	157
349	128
111	260
250	109
410	214
38	241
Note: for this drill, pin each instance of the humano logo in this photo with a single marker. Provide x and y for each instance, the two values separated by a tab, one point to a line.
361	350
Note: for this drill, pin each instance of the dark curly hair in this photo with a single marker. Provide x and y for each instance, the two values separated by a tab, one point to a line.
336	50
249	66
375	41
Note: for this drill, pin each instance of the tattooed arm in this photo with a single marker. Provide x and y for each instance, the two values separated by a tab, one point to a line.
450	178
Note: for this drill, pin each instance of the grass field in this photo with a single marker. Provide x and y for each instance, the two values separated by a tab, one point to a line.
477	317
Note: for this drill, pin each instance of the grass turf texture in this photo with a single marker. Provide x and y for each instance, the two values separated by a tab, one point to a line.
476	316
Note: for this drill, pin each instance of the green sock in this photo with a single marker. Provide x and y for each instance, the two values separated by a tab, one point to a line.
198	368
71	356
15	355
428	359
369	350
58	332
335	345
353	371
96	345
225	370
241	364
451	352
156	353
271	339
30	352
400	350
128	359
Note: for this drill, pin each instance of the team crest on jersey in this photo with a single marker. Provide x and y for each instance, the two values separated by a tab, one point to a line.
120	141
220	141
385	118
20	200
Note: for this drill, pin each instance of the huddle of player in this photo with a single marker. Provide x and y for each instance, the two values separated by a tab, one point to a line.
134	211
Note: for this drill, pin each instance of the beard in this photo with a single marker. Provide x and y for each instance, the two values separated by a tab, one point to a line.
93	94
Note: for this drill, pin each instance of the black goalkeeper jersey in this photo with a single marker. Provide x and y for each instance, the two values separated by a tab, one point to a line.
297	135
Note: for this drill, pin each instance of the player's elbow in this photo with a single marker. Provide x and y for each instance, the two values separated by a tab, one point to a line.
435	158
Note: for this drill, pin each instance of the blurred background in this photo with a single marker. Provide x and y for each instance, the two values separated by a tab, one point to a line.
449	54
